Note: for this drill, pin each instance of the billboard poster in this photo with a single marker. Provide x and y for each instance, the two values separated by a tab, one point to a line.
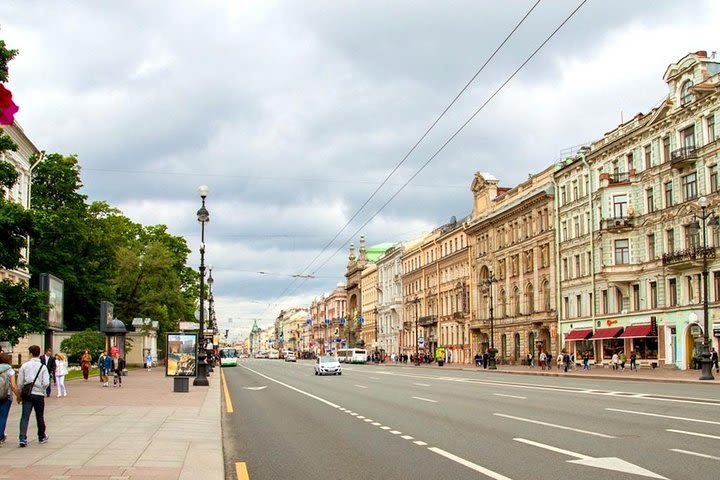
54	287
181	357
106	315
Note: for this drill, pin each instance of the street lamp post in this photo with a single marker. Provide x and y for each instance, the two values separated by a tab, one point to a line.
416	301
203	217
211	318
491	354
707	219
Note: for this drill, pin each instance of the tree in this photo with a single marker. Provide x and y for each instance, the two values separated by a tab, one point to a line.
90	340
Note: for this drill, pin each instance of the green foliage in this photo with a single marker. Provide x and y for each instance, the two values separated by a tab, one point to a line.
5	56
90	340
22	311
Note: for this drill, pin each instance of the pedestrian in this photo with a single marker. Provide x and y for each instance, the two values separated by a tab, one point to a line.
105	365
614	361
118	365
35	373
486	359
85	364
543	359
49	361
586	360
8	388
566	361
633	360
559	360
61	369
714	360
148	360
623	360
530	360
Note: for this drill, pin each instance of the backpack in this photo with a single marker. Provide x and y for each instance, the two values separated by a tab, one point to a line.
4	382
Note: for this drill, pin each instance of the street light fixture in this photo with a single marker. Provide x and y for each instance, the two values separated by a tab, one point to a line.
416	301
203	217
489	280
211	317
707	219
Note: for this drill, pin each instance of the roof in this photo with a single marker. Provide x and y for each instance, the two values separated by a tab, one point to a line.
376	251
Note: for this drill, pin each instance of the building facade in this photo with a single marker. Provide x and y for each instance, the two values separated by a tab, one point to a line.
389	302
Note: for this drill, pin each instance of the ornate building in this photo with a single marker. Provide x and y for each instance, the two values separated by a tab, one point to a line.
389	302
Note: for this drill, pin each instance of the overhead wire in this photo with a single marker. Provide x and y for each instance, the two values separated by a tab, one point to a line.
407	155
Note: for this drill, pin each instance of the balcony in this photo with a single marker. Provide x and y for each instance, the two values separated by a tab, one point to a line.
683	156
617	224
616	179
688	258
459	315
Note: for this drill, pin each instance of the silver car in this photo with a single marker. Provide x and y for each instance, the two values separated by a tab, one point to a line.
290	357
327	365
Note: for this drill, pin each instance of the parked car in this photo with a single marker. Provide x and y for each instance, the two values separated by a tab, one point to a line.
290	357
327	365
261	354
273	354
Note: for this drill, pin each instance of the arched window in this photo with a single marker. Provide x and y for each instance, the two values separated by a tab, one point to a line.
516	302
503	346
502	303
686	95
530	298
516	352
531	344
546	295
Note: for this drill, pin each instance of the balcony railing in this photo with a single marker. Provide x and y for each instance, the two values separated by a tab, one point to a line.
683	154
618	222
459	315
622	177
689	254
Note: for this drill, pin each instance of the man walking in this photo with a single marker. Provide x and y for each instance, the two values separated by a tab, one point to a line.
33	372
49	361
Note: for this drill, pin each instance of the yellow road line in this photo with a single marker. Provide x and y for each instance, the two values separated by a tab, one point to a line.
241	469
228	400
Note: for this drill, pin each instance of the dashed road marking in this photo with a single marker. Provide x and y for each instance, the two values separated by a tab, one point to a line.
425	399
553	425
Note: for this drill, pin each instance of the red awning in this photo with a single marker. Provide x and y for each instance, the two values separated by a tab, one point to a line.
602	333
634	331
580	334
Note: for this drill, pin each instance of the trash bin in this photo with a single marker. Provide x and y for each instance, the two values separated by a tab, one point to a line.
181	384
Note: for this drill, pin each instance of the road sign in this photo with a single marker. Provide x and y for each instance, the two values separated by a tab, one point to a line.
421	341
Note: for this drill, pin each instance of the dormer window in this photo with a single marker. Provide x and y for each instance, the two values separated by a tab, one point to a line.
685	95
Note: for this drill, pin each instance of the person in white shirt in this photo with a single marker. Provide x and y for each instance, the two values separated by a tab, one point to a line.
61	369
35	373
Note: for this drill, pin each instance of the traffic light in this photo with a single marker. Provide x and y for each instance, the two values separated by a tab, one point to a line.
653	327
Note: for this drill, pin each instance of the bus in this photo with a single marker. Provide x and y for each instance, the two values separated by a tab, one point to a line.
352	355
228	357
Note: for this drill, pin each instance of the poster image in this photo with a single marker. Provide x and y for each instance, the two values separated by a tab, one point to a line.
54	287
181	360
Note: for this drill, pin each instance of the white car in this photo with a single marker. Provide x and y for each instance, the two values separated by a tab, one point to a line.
290	357
327	365
273	354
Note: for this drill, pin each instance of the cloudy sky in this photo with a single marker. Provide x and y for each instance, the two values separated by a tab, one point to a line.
294	113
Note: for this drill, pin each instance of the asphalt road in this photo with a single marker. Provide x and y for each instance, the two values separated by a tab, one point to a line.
388	422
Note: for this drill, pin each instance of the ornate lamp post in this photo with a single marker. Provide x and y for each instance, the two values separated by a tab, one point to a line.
416	301
211	320
707	219
491	354
203	217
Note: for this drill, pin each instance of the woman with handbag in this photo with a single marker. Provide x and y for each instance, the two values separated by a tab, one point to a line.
61	369
8	387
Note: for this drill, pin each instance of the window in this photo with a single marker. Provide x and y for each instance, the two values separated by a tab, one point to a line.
622	251
666	148
668	194
564	231
653	295
685	94
563	195
577	227
630	162
692	238
691	293
575	193
530	298
716	285
714	184
604	305
566	307
688	138
566	275
670	236
651	247
672	292
636	297
620	206
711	128
689	184
546	295
649	200
578	305
647	150
578	269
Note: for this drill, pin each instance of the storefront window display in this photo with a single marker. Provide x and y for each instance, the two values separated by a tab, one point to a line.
612	345
646	347
582	346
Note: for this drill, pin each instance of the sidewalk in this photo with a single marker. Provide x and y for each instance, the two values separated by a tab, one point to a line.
661	374
143	430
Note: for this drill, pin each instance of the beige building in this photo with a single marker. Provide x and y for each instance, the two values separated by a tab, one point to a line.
512	235
369	310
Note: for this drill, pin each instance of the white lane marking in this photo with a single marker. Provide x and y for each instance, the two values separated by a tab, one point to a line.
509	396
384	427
686	452
469	464
425	399
422	384
360	386
395	432
672	417
375	424
255	388
553	425
607	463
360	417
354	414
407	437
367	420
419	442
694	434
374	378
302	392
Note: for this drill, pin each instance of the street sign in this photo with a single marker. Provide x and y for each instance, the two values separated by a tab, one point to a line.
421	341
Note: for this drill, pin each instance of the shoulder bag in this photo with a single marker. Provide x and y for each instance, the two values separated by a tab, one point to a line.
26	391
